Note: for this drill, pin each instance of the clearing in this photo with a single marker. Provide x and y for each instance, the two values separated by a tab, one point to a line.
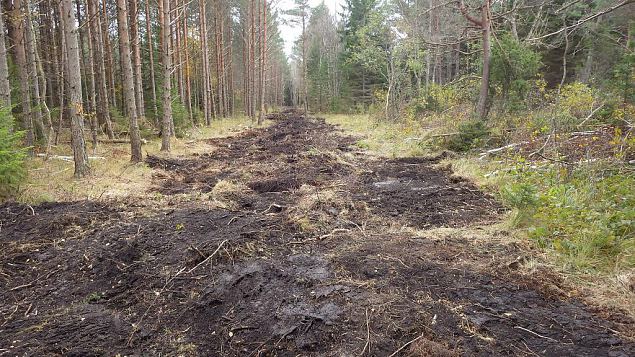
288	240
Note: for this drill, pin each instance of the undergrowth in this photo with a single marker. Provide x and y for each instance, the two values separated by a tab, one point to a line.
12	156
586	213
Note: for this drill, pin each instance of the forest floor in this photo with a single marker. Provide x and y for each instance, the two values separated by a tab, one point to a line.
288	240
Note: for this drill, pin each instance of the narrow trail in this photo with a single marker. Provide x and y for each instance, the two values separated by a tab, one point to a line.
286	241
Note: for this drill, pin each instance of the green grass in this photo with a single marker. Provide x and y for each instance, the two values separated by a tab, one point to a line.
584	216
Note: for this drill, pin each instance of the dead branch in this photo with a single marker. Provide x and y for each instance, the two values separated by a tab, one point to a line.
209	257
536	334
584	20
69	158
405	345
502	148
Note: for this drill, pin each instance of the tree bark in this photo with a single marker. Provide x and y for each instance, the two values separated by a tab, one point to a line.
485	24
101	81
263	55
18	39
304	64
88	77
128	80
5	86
153	83
110	61
167	83
135	45
74	89
205	60
38	117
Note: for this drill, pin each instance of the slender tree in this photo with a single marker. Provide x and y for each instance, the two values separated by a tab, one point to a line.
263	62
99	68
135	45
484	23
167	83
153	83
74	89
17	35
128	80
5	86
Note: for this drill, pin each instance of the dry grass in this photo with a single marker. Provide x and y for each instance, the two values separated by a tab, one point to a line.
388	139
114	176
227	193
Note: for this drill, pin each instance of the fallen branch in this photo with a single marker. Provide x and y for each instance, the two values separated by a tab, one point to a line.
406	345
536	334
591	114
493	151
367	345
119	141
209	257
69	158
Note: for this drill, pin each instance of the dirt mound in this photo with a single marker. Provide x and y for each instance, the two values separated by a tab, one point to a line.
420	195
299	263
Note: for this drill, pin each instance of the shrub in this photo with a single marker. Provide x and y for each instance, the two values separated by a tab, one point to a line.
587	215
12	156
471	134
514	64
576	99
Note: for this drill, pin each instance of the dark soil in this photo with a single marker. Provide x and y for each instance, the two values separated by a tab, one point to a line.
154	278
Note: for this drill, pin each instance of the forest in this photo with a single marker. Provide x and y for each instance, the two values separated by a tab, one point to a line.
317	177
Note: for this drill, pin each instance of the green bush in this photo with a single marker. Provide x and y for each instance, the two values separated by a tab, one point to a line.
513	65
471	134
586	215
12	156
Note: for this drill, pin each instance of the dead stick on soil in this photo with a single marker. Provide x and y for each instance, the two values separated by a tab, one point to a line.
367	345
406	345
356	225
536	334
209	257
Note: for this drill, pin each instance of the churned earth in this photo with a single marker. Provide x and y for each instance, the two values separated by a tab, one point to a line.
287	241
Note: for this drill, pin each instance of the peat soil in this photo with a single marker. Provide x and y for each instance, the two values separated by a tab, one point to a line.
287	241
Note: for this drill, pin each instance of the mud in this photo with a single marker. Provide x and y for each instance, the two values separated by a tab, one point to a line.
311	261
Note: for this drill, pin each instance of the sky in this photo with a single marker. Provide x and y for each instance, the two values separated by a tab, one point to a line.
292	33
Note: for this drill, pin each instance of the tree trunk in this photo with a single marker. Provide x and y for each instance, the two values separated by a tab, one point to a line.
110	61
252	63
485	24
128	80
5	85
187	69
263	55
18	39
88	74
101	81
93	90
33	75
135	44
167	83
153	83
304	64
205	59
482	107
74	89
